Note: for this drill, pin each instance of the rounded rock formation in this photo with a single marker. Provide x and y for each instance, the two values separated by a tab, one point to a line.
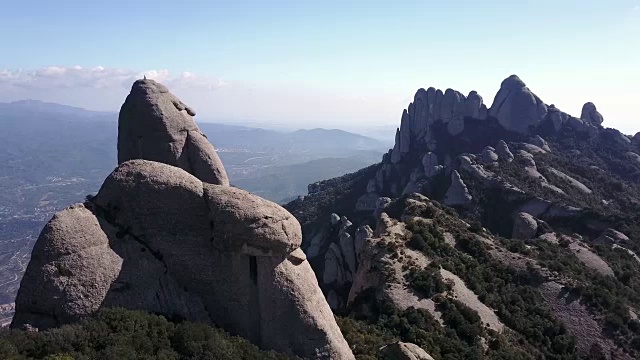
155	125
591	114
516	107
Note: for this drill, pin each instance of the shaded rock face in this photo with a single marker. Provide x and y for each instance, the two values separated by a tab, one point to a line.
489	155
503	151
155	125
591	114
516	107
160	239
458	194
449	107
525	226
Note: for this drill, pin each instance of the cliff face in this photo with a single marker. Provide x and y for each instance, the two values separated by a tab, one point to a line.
167	234
523	181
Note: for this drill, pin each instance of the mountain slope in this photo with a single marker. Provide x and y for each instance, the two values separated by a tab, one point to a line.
520	217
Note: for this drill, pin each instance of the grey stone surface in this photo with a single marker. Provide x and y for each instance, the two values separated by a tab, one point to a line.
363	233
525	226
503	151
155	125
334	267
541	143
381	205
516	107
591	114
457	194
347	247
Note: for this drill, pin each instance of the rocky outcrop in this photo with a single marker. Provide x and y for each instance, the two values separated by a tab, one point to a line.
458	194
381	205
449	107
612	236
474	106
591	114
525	226
541	143
430	165
404	351
516	107
556	117
159	239
489	155
503	151
155	125
335	270
570	181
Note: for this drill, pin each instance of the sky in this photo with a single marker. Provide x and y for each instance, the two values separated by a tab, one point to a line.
353	65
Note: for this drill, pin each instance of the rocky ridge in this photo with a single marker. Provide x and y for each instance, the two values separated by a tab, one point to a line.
526	178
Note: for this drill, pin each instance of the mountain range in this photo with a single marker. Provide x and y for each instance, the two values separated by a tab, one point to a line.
509	231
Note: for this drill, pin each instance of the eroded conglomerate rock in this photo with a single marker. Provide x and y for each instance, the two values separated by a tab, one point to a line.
503	151
458	194
173	238
155	125
525	226
226	257
516	107
591	114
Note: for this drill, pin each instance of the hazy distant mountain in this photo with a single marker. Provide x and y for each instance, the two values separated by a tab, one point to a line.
28	107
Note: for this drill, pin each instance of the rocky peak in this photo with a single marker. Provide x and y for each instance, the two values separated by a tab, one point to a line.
516	107
155	125
591	114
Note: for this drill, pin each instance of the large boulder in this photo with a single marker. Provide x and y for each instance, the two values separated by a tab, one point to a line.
611	236
541	143
489	155
155	125
516	107
591	114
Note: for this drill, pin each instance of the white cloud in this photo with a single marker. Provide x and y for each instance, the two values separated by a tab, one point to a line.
56	77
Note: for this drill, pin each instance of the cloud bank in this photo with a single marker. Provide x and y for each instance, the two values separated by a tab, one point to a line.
103	88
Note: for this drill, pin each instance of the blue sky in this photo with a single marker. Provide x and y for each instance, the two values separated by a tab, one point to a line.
354	62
